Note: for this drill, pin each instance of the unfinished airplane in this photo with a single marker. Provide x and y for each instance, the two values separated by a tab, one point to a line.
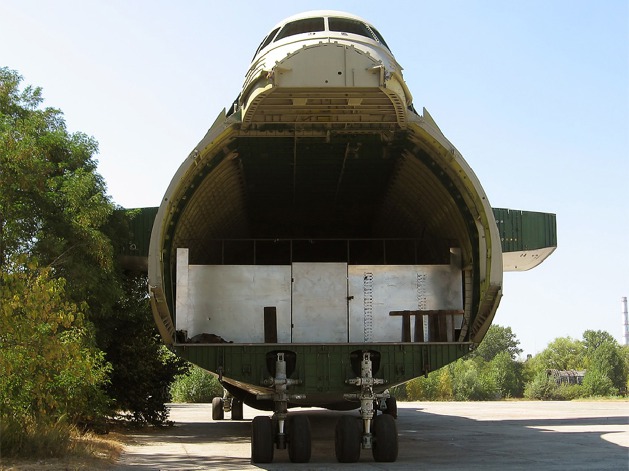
325	242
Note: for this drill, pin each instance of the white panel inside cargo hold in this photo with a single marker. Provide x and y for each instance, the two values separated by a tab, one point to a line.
228	301
310	302
320	302
377	290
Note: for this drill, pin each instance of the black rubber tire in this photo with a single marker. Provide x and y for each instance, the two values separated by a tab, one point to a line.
217	409
262	439
391	409
347	439
237	413
299	439
385	440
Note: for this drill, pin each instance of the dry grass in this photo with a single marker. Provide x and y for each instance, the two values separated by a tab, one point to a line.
88	451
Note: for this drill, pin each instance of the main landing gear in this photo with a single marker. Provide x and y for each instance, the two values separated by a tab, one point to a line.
227	403
370	431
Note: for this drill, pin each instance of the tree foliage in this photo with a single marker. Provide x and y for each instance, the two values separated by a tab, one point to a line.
140	387
492	370
50	371
196	386
498	340
52	203
86	318
563	353
489	372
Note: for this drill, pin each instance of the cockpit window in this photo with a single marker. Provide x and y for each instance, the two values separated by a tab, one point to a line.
308	25
347	25
266	41
379	36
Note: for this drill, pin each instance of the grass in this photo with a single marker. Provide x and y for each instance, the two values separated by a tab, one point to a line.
85	452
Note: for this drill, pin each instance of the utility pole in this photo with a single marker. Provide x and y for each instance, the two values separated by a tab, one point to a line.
625	319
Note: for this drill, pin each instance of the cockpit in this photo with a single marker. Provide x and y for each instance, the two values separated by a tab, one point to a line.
337	25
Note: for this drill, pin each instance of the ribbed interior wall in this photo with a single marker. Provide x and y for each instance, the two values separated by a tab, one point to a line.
398	195
215	210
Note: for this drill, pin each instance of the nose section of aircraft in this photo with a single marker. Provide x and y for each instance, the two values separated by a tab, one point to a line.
328	65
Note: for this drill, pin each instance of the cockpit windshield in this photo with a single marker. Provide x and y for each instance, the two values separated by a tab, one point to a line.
307	25
314	25
347	25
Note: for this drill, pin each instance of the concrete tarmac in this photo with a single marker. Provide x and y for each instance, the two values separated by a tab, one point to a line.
491	436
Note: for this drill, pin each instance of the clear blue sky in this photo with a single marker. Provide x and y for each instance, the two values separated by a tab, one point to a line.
534	94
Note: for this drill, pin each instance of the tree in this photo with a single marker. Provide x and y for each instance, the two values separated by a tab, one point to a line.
592	339
144	368
55	214
52	203
498	339
508	375
607	361
50	209
563	353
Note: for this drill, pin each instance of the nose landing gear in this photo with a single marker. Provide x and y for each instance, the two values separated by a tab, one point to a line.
278	432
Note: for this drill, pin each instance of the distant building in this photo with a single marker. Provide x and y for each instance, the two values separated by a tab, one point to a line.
566	376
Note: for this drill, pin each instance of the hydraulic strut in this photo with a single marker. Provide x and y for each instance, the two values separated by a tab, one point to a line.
367	396
280	397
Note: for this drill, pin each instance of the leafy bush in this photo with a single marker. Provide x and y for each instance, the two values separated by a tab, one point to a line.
569	392
598	384
50	374
473	383
542	387
143	368
196	386
399	392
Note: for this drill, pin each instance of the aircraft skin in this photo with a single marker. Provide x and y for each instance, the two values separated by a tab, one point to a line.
324	242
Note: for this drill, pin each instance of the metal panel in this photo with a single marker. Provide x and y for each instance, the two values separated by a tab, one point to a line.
376	290
525	230
322	369
140	226
229	301
320	302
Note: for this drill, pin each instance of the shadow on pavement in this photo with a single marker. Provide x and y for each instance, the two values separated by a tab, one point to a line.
426	439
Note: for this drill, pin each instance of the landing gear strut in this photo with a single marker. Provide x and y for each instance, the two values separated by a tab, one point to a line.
379	433
278	432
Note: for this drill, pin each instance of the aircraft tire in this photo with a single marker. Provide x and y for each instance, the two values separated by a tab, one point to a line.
347	440
262	439
237	412
217	409
385	444
391	409
299	439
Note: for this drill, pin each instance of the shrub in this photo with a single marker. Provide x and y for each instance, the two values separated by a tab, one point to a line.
569	392
542	387
472	382
434	387
50	374
598	384
399	392
196	386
